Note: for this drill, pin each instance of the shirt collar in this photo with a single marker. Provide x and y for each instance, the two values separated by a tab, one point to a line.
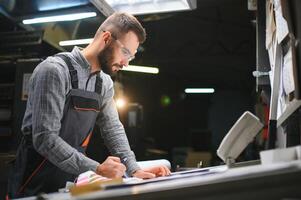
79	57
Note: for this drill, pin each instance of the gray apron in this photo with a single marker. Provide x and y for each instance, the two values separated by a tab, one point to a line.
32	173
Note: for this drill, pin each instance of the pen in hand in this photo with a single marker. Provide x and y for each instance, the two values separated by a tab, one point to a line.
123	162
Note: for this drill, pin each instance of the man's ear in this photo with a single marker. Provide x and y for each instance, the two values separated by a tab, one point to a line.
107	37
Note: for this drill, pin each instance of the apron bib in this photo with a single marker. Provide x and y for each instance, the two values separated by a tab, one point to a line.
32	173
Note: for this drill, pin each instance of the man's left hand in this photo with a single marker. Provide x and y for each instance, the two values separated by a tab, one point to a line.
152	172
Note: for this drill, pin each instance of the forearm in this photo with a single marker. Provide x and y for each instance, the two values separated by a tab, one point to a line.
118	145
61	154
115	138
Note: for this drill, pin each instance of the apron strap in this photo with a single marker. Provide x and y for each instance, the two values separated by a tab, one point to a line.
74	78
98	84
72	71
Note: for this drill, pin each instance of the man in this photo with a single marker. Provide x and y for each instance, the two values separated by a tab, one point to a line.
68	94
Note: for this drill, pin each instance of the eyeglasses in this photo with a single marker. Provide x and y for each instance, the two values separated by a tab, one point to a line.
125	51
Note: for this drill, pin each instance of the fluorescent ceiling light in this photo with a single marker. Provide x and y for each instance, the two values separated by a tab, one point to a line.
75	42
43	5
67	17
138	7
134	68
199	90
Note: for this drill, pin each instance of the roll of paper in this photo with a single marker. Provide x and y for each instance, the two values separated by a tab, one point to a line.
153	163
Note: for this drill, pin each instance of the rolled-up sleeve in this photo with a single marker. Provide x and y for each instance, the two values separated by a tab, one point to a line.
47	94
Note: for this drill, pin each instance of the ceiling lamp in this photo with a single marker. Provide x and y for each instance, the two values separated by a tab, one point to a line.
134	68
75	42
199	90
56	18
140	7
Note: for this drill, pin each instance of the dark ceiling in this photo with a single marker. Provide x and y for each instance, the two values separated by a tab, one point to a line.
213	45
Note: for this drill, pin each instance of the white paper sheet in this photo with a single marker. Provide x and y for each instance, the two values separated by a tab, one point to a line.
270	24
25	86
281	23
288	75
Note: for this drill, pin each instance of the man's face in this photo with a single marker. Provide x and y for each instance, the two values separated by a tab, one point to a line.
118	53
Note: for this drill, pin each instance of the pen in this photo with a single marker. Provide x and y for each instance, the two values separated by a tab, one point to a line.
123	162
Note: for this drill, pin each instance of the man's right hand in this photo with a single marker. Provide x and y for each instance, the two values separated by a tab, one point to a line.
111	168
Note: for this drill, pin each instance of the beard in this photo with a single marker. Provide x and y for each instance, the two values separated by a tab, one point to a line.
105	59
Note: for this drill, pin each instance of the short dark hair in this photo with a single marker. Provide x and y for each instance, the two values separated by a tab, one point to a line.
121	23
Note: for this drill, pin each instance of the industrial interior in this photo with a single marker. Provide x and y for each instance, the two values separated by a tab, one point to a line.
211	63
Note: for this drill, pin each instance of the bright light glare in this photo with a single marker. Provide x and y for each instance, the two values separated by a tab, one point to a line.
139	7
75	42
68	17
120	103
199	90
134	68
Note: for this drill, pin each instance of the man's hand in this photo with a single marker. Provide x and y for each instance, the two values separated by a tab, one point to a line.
111	168
152	172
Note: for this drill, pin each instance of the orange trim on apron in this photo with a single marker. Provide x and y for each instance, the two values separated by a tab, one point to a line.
31	176
87	140
86	109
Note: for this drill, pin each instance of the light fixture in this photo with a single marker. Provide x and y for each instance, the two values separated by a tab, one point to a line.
67	17
120	103
199	90
139	7
75	42
143	69
43	5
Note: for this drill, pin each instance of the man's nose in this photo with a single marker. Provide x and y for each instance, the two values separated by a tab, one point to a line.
125	62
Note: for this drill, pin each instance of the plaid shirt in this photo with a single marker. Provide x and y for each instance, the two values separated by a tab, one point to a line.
49	84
